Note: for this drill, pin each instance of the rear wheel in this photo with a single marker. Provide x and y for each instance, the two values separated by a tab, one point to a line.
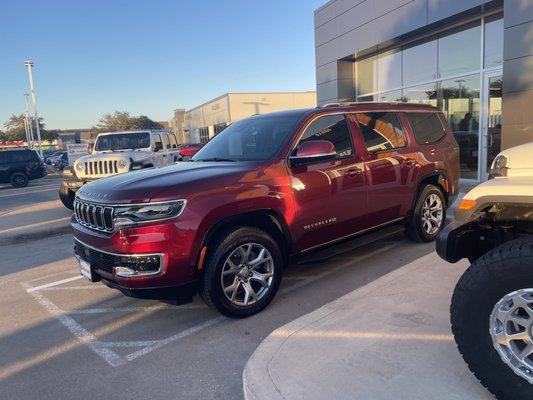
19	179
428	216
492	319
242	272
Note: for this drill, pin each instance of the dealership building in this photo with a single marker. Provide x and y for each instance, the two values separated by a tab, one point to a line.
206	120
471	58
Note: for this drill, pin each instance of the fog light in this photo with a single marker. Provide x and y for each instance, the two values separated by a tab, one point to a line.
124	272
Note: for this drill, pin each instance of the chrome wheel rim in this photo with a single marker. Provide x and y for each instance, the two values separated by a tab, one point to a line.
247	274
432	214
511	330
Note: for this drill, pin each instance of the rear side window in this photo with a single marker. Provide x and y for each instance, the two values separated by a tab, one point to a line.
427	127
20	156
381	131
333	128
167	140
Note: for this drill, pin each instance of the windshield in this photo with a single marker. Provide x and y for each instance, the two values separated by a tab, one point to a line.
255	138
122	141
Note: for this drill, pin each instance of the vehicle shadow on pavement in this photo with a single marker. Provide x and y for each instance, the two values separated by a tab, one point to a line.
74	330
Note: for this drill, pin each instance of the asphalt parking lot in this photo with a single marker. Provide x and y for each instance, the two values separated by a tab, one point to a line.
63	337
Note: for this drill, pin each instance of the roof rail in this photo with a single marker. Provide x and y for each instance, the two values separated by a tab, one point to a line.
327	105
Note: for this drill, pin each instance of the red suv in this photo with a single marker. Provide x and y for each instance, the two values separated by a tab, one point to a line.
262	193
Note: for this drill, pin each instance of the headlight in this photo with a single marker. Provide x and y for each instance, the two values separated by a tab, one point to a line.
139	213
68	171
80	166
499	167
123	163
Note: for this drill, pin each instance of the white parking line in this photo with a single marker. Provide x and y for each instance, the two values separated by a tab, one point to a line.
29	192
51	284
134	309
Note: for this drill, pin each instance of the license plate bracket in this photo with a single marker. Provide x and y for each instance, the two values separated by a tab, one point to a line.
87	270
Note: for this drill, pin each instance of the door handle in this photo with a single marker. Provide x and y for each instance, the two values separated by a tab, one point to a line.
432	152
354	172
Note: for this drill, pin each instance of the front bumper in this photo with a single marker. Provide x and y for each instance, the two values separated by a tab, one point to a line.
160	252
460	240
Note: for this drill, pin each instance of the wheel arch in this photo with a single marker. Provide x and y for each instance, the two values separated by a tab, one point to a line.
266	219
436	178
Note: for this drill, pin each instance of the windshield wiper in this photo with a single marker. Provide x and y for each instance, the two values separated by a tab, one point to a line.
216	159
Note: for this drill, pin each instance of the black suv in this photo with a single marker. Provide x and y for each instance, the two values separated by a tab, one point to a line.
18	167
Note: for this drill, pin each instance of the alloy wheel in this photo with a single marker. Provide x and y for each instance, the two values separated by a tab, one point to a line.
432	214
247	274
511	330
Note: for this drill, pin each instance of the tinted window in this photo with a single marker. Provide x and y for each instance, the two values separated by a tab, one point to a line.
167	140
459	52
333	128
381	131
254	138
19	156
427	127
123	141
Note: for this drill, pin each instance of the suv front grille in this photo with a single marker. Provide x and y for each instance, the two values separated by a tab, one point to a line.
102	167
95	216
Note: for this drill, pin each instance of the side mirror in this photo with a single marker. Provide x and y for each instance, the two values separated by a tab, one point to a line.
158	146
312	152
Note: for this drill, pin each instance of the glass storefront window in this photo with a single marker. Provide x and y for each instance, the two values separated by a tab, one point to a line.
395	95
389	70
367	98
460	102
493	52
420	63
367	75
460	52
423	94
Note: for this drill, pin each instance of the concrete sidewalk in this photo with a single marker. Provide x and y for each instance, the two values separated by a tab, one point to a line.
390	339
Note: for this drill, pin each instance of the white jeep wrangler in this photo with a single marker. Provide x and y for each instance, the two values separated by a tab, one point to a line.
492	305
117	153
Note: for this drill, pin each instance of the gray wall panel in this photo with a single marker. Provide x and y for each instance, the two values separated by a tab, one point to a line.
440	9
518	41
326	73
517	12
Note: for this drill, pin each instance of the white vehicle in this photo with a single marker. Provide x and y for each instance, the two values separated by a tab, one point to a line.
492	305
117	153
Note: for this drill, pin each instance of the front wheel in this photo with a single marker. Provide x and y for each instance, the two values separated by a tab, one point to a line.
67	197
242	272
428	216
19	180
492	319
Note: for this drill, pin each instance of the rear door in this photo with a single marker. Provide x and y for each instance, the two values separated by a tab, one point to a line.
390	166
330	195
173	151
158	155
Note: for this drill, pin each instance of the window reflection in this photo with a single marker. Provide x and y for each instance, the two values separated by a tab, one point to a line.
395	95
459	100
367	75
459	52
420	63
389	73
493	53
423	94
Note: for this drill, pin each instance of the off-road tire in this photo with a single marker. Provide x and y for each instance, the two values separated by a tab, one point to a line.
19	179
499	272
218	251
414	229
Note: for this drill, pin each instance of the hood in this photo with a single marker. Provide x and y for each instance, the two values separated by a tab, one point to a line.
155	184
519	160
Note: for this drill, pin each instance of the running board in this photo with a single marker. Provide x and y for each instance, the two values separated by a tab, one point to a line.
347	245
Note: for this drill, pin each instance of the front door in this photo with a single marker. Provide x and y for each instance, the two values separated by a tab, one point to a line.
330	196
491	123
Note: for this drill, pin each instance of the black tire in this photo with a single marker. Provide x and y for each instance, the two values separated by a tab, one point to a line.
67	197
218	251
501	271
18	179
414	228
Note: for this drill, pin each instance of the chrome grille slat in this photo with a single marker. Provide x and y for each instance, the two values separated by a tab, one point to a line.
94	216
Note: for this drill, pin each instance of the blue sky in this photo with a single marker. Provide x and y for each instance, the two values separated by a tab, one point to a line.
149	57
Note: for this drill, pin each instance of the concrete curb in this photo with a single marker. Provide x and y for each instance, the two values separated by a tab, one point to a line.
257	381
35	234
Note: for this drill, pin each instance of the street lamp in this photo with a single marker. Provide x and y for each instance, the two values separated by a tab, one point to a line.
29	65
27	120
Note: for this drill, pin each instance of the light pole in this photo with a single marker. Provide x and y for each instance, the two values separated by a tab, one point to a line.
28	121
29	64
